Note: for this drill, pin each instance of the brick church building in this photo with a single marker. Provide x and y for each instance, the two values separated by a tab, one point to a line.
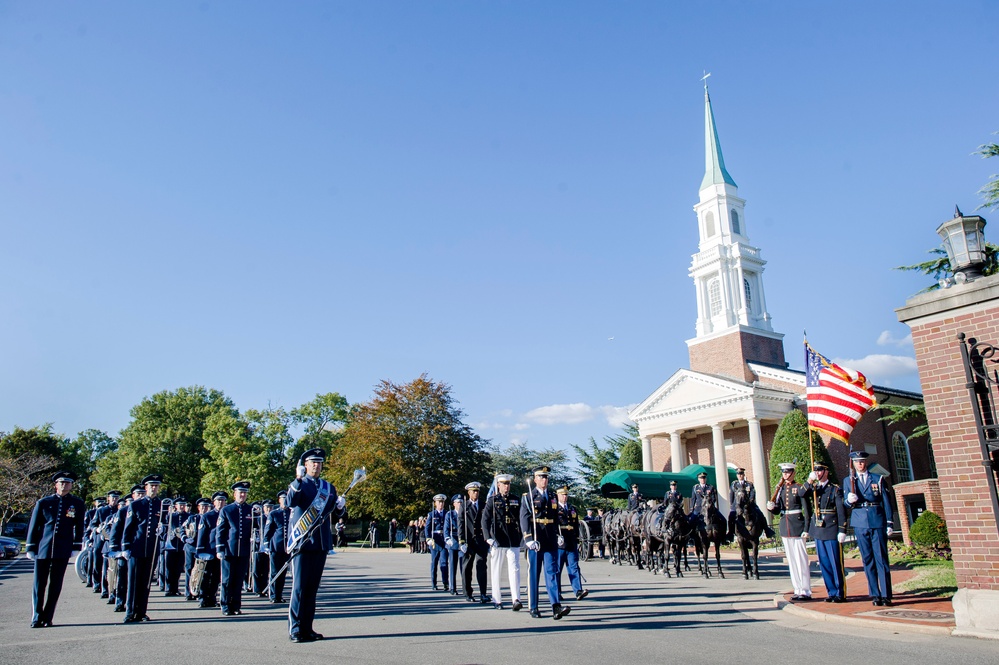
725	409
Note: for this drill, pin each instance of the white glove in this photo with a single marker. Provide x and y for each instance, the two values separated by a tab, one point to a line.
841	538
812	477
889	531
159	530
31	556
449	542
851	498
430	542
561	541
220	556
126	555
340	503
804	535
300	472
771	505
491	542
464	549
533	545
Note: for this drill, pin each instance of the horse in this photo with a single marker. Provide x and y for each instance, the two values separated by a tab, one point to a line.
615	534
654	540
749	526
715	530
676	531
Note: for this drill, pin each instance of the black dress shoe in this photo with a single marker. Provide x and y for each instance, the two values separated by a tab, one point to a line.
582	594
497	606
131	619
484	600
37	624
887	602
517	606
301	638
119	608
877	602
559	611
145	617
316	636
435	587
111	601
838	599
536	614
829	599
104	594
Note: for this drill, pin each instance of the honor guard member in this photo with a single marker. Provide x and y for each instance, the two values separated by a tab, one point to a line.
539	523
312	501
792	508
232	547
740	483
434	535
88	542
568	548
276	536
472	544
451	536
172	544
54	532
102	543
635	499
871	520
140	545
828	528
190	527
702	498
672	495
206	549
501	528
117	533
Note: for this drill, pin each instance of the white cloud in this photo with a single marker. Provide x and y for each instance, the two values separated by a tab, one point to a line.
516	441
617	416
521	426
886	339
881	367
487	425
560	414
506	413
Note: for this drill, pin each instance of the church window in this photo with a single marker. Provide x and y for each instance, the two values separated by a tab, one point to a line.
749	294
735	222
709	224
714	296
902	464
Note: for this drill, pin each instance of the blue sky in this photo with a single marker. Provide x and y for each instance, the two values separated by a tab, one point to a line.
280	199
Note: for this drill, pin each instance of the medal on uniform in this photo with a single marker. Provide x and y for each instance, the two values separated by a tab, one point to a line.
71	512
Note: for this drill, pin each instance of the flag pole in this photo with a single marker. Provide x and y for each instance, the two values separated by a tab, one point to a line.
811	448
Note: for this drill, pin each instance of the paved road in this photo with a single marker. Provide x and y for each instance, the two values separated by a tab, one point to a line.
378	608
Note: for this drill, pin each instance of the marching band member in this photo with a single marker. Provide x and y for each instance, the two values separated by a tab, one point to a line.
190	528
232	547
501	528
539	524
451	536
102	545
433	532
793	509
568	549
139	546
871	520
117	532
312	500
54	532
472	544
276	536
88	543
828	528
172	546
205	548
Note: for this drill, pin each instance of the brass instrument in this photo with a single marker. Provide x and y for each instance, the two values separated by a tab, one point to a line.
191	529
113	567
197	576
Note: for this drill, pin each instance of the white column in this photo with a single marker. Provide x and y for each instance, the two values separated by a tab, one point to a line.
647	453
678	456
761	478
721	467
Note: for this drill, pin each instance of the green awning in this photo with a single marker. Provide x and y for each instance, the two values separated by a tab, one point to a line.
654	485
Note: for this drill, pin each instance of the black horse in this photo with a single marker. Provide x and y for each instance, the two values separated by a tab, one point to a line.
677	530
749	527
713	530
654	540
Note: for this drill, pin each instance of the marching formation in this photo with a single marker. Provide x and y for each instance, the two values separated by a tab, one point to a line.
224	549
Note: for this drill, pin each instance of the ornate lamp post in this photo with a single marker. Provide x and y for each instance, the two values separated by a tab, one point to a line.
964	241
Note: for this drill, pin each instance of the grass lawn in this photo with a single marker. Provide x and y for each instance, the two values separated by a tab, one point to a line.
934	577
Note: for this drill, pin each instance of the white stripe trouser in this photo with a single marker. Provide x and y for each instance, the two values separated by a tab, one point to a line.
797	562
512	555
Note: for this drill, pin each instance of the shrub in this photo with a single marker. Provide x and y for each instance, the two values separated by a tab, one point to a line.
929	530
791	445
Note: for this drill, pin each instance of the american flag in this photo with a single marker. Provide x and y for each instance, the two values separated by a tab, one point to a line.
837	397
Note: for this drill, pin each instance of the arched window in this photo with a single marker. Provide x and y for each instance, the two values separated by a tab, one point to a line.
709	224
714	296
902	464
735	222
749	295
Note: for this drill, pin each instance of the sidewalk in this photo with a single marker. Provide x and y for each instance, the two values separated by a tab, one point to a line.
910	611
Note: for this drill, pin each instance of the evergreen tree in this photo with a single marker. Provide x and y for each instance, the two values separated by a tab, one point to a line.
791	445
631	456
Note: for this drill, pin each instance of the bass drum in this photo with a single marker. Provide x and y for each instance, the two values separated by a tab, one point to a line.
82	567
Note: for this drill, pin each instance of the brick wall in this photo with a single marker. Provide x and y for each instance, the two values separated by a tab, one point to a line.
727	355
929	488
935	320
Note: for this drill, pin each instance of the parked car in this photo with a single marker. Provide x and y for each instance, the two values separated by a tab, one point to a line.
9	547
16	529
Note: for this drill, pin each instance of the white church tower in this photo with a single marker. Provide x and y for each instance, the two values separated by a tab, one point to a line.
733	324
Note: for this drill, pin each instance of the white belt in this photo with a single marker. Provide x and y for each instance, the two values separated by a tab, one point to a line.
792	512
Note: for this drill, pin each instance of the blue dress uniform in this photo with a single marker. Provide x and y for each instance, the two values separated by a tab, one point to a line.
172	546
100	520
871	518
88	543
276	536
472	539
55	530
828	528
539	519
568	549
433	532
311	518
702	498
451	537
635	500
232	545
114	545
204	548
140	544
190	547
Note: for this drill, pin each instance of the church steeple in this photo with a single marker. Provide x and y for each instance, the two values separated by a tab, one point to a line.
733	324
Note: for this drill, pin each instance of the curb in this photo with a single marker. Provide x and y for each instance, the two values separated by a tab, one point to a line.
894	626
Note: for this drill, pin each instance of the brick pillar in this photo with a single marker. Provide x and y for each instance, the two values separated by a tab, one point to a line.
936	318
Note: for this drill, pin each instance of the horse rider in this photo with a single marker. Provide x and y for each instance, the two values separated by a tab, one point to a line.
276	536
672	495
452	532
501	529
702	498
313	501
568	547
790	504
472	543
635	499
539	523
434	535
54	532
740	483
828	528
871	520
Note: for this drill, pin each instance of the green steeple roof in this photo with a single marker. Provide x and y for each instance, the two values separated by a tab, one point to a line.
714	163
